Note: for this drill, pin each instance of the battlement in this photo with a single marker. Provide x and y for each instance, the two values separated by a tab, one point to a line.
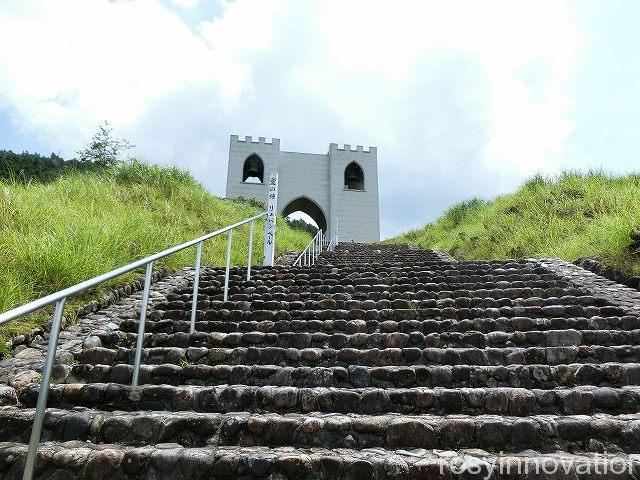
339	184
347	148
259	141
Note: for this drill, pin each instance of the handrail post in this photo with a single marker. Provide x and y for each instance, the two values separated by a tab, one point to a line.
41	406
250	250
226	272
143	319
196	283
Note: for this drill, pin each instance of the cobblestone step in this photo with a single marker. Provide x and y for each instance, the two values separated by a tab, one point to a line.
82	460
483	325
582	400
530	376
397	314
413	291
329	357
545	433
256	338
420	300
427	282
496	267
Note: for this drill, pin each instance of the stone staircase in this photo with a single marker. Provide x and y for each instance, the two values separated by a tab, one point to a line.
381	361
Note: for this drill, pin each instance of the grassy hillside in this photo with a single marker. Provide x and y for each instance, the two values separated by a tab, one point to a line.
53	235
571	216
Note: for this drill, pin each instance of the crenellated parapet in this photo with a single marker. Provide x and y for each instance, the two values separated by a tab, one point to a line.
347	148
248	139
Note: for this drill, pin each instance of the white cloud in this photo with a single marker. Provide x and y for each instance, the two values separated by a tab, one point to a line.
245	29
185	3
384	43
462	98
76	62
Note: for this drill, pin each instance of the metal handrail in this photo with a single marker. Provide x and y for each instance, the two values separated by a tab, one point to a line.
314	248
82	286
59	298
310	252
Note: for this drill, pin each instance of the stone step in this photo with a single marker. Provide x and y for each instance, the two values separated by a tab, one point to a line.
391	275
525	315
397	314
582	400
364	269
426	282
551	338
458	376
410	291
368	269
548	433
415	301
420	268
382	301
81	460
329	357
484	325
433	285
428	286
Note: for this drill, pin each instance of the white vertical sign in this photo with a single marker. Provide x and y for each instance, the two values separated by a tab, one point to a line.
270	223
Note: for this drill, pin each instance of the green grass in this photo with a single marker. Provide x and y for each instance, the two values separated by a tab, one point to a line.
54	235
570	216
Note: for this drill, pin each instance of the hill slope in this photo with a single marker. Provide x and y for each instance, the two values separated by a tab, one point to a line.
571	216
53	235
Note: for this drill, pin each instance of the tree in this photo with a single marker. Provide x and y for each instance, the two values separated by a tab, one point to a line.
300	224
26	167
103	149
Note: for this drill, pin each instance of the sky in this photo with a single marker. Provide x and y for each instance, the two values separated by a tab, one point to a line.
462	98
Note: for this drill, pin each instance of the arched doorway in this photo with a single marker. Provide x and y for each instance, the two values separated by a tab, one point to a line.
308	207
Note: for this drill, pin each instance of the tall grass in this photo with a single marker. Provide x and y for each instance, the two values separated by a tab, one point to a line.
53	235
569	216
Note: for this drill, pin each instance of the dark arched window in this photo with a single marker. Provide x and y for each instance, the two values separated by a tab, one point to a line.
253	170
353	177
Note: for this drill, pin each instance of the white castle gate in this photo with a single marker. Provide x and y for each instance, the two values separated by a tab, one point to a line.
339	185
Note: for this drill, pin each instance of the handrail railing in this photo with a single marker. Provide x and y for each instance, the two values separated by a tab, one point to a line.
59	298
310	253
